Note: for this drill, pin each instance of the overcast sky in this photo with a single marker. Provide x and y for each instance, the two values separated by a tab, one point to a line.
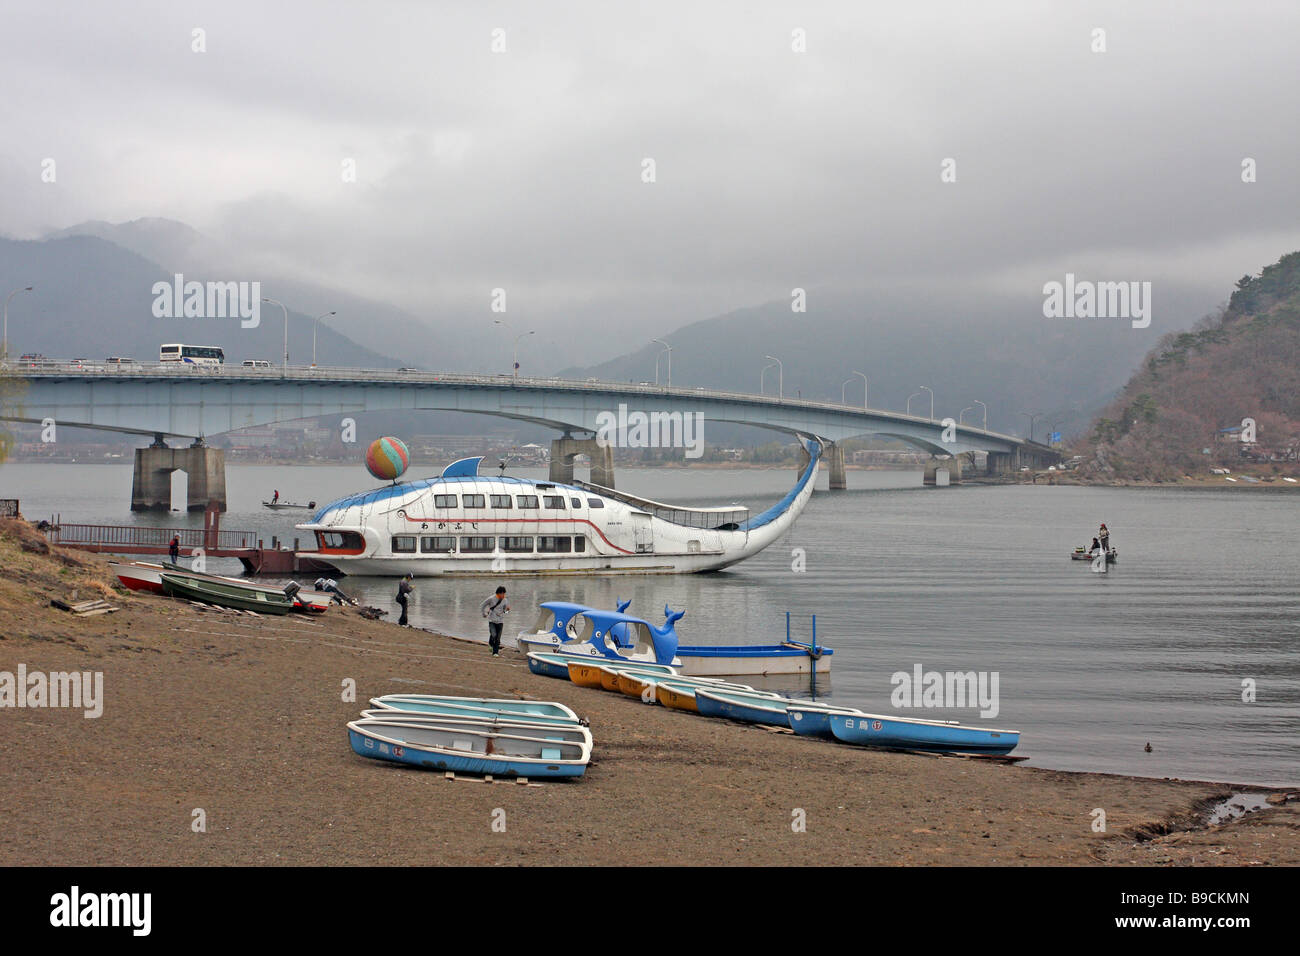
775	168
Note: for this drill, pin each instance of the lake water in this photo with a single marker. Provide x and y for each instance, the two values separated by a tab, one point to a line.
1091	667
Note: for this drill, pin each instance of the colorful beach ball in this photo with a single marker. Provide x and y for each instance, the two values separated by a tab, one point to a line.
387	458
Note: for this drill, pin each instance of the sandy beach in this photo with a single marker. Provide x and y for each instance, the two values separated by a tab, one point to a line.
243	719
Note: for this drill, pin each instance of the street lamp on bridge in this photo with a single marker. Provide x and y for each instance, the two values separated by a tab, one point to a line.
909	402
1032	418
669	349
4	349
780	376
864	390
962	413
762	388
986	412
511	331
928	389
314	327
286	331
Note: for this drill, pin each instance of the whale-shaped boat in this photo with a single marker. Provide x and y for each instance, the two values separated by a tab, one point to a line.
465	523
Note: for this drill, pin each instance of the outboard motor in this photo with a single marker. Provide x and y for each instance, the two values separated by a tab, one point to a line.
291	590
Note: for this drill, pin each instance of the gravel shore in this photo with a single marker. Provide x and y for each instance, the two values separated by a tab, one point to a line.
243	718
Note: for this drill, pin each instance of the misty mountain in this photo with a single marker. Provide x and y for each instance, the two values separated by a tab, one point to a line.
94	299
1006	354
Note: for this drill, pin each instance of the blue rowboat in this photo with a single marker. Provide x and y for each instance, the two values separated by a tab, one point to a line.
570	733
459	710
753	708
432	704
814	720
548	664
906	733
462	750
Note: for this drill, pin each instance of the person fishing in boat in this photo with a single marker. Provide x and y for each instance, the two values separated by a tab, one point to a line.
1095	546
1104	537
275	498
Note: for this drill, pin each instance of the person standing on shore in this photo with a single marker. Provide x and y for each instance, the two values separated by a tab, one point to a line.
495	610
174	549
403	589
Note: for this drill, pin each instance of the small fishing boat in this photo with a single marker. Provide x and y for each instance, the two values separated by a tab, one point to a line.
225	594
909	733
146	576
463	750
750	708
139	575
814	719
288	505
568	732
429	703
1083	554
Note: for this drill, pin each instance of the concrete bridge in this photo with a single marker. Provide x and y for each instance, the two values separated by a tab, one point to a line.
194	402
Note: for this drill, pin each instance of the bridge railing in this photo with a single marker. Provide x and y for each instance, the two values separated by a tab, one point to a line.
105	537
324	374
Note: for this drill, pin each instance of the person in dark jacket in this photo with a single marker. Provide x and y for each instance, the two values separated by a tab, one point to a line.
495	610
174	549
403	589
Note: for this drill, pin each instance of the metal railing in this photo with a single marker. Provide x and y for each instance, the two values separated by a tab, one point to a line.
106	537
324	374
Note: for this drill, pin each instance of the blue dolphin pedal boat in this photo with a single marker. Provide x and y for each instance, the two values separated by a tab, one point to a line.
906	733
465	750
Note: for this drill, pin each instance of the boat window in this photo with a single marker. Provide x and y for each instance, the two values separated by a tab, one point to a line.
473	501
579	543
500	501
340	540
403	543
437	543
477	545
527	501
595	503
554	544
444	501
517	545
553	502
576	502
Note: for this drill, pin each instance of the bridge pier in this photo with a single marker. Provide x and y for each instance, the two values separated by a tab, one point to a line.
835	458
1001	463
942	471
563	451
205	471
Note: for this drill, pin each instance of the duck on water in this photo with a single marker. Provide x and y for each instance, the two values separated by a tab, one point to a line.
465	523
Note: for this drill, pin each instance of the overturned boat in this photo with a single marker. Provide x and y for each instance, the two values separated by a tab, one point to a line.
465	523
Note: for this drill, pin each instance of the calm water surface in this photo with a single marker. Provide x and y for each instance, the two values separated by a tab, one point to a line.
1091	666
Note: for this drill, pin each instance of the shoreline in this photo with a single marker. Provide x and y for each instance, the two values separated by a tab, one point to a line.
243	718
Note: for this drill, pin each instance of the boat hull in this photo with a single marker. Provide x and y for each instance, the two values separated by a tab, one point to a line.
812	721
548	668
377	744
878	730
137	577
756	660
746	710
429	703
675	699
232	596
